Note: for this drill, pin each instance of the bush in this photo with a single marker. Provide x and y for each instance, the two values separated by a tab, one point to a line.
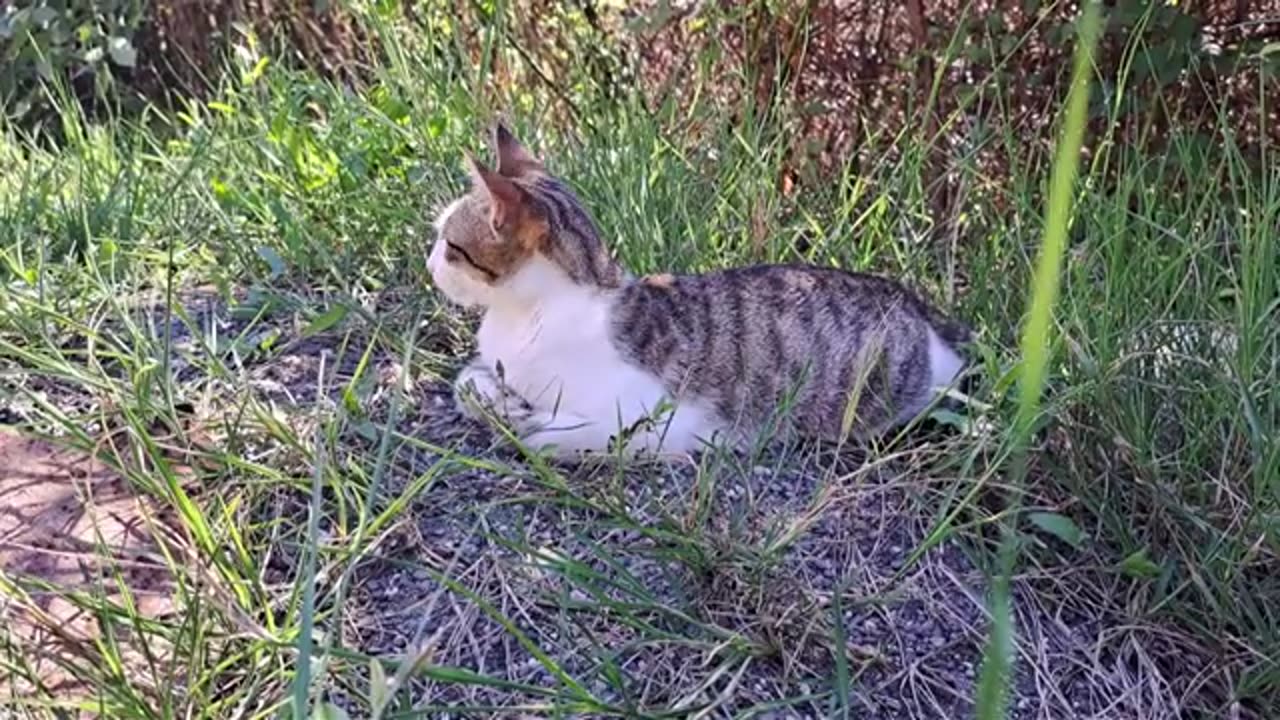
73	40
124	53
852	75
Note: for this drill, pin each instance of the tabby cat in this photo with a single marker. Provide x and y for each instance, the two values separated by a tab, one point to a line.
577	352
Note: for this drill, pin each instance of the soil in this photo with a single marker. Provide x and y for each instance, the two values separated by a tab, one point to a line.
725	583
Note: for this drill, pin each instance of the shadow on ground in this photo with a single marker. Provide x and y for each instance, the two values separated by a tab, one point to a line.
725	585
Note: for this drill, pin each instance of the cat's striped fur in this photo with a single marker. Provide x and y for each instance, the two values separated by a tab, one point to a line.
584	349
797	329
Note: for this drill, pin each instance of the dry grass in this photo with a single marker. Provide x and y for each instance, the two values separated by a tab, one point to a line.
709	588
230	316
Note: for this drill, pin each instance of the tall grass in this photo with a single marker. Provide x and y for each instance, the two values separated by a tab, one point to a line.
1136	405
993	690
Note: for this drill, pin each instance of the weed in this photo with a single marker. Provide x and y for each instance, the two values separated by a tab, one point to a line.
228	309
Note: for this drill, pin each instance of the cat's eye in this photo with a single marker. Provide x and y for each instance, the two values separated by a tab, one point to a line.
455	252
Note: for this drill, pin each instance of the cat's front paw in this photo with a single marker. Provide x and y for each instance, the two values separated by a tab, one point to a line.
552	443
480	394
562	435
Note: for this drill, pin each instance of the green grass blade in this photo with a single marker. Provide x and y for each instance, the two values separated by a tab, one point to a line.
302	678
998	655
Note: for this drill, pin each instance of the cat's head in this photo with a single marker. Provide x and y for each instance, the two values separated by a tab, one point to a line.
519	232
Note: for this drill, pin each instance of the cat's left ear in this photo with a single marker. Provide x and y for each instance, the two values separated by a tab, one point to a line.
513	158
511	211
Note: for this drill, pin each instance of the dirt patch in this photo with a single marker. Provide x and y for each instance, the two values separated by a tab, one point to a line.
729	586
69	525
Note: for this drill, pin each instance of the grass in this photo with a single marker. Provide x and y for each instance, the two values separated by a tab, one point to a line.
998	658
228	306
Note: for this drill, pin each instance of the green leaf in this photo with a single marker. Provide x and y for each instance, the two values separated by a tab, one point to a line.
323	322
950	417
418	172
365	429
255	72
1008	378
274	261
1138	565
1059	526
107	251
992	693
257	302
840	683
122	52
43	15
269	340
463	676
378	687
351	402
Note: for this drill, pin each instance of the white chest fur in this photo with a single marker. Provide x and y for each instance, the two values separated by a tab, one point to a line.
555	351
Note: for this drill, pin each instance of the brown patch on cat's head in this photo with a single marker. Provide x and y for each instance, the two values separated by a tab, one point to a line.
513	213
491	232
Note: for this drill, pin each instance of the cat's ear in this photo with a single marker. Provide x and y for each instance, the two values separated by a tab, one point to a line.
511	211
505	197
513	158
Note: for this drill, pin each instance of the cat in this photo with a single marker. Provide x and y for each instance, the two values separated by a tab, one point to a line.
578	353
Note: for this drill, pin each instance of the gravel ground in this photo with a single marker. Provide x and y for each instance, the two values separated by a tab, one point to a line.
913	632
710	585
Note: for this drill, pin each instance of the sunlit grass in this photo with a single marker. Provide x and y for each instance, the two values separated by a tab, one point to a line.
300	208
993	684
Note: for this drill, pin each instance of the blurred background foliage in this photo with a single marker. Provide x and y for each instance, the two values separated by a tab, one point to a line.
846	76
303	141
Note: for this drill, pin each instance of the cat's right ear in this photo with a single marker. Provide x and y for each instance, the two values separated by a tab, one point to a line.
505	198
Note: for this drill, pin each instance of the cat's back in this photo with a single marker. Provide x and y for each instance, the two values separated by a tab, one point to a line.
792	298
743	337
